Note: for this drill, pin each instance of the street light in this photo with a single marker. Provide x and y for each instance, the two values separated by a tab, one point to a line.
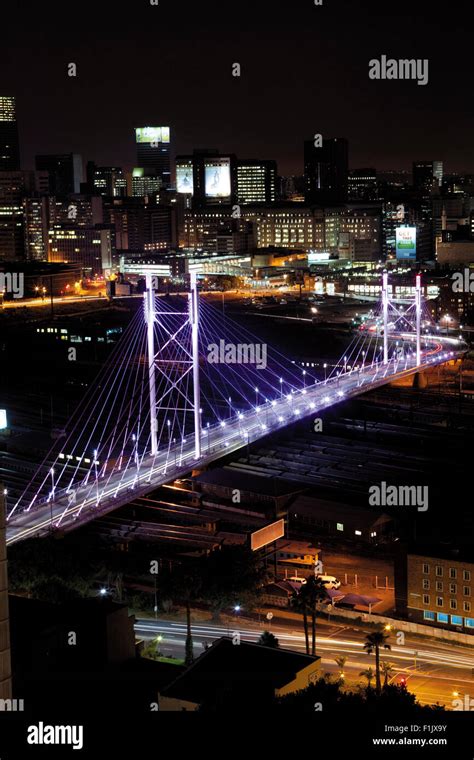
325	373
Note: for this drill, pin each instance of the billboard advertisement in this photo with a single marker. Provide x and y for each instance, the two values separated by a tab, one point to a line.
405	243
3	419
266	535
184	179
152	135
318	258
217	178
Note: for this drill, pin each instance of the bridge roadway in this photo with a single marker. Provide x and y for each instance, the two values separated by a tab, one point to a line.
97	497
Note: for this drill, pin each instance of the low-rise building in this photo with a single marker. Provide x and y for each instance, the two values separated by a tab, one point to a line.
434	586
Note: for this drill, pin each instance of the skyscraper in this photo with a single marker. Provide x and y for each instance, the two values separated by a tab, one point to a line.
153	152
9	143
325	170
65	172
427	175
256	181
106	180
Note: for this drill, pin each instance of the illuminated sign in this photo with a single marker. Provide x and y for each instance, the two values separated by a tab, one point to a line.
266	535
405	243
217	178
184	179
3	419
152	135
317	258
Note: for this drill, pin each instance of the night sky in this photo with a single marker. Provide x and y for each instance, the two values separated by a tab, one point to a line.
304	70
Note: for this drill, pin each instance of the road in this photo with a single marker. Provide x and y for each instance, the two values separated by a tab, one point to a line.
435	672
71	505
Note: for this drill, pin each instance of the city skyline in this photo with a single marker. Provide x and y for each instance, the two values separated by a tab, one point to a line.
288	89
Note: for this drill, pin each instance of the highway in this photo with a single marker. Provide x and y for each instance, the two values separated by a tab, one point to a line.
433	670
79	503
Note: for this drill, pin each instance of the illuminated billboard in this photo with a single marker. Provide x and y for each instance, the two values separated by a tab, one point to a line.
184	179
3	419
405	243
266	535
318	258
152	135
217	177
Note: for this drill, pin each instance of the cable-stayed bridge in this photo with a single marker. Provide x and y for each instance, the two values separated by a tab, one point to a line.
186	386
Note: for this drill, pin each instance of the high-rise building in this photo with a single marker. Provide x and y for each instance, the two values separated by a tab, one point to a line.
14	187
427	176
145	182
65	172
106	180
5	656
141	225
35	215
154	152
185	175
91	247
326	170
9	142
256	181
363	185
215	181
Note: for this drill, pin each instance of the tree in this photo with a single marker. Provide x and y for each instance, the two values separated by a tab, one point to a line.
386	669
267	639
340	662
369	674
312	594
183	584
374	643
300	604
231	575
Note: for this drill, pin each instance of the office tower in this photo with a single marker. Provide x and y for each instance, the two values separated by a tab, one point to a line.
5	656
427	176
106	180
153	152
141	224
35	215
185	175
214	178
362	185
256	181
13	186
9	143
90	247
326	170
65	172
145	182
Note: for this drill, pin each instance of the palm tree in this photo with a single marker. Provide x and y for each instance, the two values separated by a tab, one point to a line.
386	668
300	604
374	643
183	584
267	639
369	674
308	601
340	662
